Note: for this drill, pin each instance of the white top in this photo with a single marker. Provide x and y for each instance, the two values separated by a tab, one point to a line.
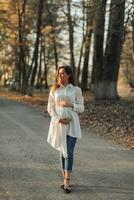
57	131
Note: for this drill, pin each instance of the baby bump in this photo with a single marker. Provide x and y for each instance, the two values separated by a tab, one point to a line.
64	112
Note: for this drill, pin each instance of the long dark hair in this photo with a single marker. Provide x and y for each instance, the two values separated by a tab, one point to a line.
69	71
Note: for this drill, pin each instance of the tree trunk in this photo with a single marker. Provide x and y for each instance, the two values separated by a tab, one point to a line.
55	49
114	47
97	70
38	85
105	86
71	39
82	45
36	50
51	20
89	29
133	40
79	64
22	57
133	34
45	69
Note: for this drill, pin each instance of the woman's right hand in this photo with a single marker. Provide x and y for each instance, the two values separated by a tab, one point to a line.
65	103
65	121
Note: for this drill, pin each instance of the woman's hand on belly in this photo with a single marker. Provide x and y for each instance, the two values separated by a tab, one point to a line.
65	121
65	103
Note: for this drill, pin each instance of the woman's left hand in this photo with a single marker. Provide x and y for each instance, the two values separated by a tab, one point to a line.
65	121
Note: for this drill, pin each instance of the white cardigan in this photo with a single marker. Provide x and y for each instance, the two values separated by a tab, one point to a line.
57	132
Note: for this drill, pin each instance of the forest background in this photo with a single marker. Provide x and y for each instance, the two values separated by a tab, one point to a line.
94	37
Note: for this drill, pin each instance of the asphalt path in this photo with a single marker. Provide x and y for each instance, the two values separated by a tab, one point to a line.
30	169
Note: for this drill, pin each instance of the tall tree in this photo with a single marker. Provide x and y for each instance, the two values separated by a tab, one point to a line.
82	44
99	27
90	12
71	36
107	67
36	49
127	60
22	53
127	57
113	49
8	34
51	20
133	33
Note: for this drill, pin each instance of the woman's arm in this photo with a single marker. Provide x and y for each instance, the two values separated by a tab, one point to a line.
78	106
51	107
52	112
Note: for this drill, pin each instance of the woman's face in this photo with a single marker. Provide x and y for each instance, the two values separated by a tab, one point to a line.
63	77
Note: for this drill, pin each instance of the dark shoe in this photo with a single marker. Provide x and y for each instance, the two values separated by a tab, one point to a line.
62	186
67	190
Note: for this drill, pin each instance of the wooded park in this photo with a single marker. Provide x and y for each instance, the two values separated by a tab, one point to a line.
94	37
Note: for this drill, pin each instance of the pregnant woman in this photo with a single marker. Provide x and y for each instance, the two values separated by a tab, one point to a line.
64	103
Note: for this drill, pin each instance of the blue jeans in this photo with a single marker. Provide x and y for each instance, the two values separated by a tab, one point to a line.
67	163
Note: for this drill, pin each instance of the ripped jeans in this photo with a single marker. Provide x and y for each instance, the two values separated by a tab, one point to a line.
67	163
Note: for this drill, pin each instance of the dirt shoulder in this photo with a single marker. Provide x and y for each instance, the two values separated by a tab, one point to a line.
112	119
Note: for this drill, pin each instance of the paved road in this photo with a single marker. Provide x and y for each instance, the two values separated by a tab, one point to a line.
29	167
